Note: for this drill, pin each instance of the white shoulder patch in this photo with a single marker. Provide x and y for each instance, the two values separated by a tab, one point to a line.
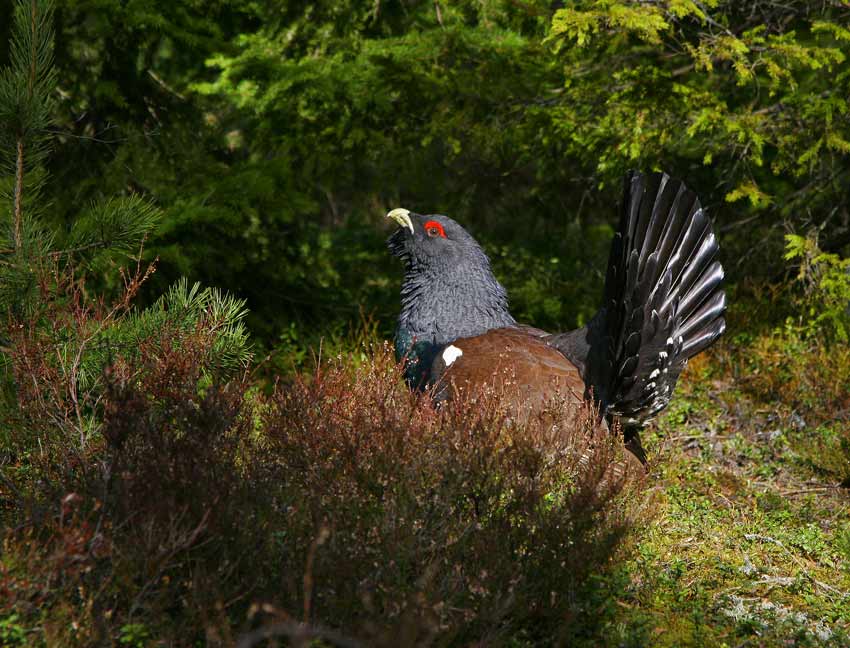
451	353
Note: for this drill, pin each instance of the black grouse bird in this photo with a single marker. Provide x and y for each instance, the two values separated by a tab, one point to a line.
662	304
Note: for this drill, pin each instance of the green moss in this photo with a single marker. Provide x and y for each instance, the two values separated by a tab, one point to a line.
749	547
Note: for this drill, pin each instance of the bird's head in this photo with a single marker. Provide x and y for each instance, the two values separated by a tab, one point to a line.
433	241
449	290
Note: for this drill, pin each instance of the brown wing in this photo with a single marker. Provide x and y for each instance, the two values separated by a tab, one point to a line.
513	361
524	370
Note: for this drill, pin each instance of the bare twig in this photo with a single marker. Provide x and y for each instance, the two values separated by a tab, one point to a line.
19	191
181	543
803	491
439	13
324	532
162	83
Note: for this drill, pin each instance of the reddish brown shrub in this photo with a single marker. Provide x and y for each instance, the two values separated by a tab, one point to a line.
454	525
125	485
339	506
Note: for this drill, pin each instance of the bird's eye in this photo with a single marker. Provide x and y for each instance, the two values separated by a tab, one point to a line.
433	228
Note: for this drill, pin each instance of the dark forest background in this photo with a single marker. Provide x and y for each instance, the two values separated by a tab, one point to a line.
275	136
203	440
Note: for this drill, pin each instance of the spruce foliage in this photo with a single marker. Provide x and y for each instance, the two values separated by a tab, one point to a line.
275	136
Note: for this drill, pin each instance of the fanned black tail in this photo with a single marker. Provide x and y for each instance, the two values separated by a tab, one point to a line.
663	301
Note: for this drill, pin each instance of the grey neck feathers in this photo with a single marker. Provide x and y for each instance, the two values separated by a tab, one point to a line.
441	303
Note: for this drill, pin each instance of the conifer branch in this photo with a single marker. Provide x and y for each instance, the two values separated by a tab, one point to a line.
19	162
19	190
34	38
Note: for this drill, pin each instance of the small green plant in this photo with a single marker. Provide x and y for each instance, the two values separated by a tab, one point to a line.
843	546
135	635
11	632
825	279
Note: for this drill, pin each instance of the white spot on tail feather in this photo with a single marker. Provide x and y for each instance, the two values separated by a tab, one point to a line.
451	353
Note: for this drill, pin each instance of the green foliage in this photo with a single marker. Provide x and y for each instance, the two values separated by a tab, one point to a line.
26	87
646	22
826	281
31	244
187	308
58	338
11	632
268	188
752	101
135	635
275	136
26	111
116	225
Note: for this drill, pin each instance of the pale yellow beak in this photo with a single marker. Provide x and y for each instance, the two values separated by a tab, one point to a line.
402	217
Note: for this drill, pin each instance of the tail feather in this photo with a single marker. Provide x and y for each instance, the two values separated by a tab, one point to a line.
663	300
702	288
707	313
671	197
705	338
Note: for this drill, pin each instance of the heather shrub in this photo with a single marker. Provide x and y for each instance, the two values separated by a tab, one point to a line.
452	525
123	462
340	505
805	372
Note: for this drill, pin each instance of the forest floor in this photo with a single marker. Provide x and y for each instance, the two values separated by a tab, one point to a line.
749	540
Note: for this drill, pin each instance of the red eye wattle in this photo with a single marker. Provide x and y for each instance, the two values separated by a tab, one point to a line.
433	228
